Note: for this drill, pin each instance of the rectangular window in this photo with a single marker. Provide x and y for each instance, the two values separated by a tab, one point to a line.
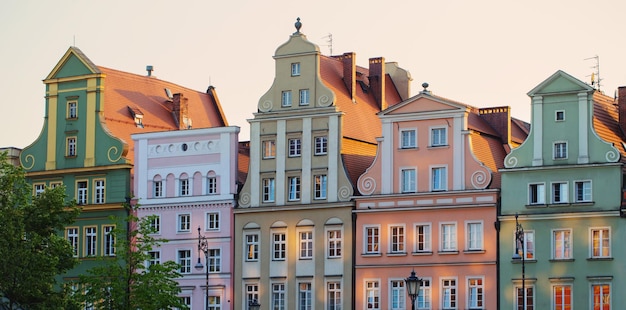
72	238
559	116
279	246
211	185
39	188
321	145
562	297
528	296
186	300
423	299
81	192
583	191
99	192
155	224
333	295
184	187
184	260
184	222
600	243
448	237
305	296
109	241
438	137
559	192
372	295
269	149
334	243
278	296
268	190
91	241
286	98
475	295
423	238
215	260
295	147
252	247
396	239
295	69
448	292
529	245
304	97
294	188
439	179
536	194
55	184
252	293
474	236
562	244
72	110
601	296
408	181
212	221
408	139
154	258
560	150
372	240
320	186
398	293
306	244
157	188
70	147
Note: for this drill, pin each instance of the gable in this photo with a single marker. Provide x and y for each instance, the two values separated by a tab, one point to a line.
560	82
73	63
421	104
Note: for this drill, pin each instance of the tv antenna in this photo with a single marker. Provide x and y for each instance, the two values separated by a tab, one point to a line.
329	40
595	75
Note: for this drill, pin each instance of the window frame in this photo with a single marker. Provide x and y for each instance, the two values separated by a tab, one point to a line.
427	238
373	246
279	247
448	239
565	251
82	193
559	115
183	222
334	295
72	109
295	147
212	221
470	243
321	145
559	189
538	191
560	301
155	223
73	238
442	184
295	69
108	243
528	247
71	146
294	188
397	239
424	299
305	295
306	244
251	246
320	187
184	262
397	294
184	187
304	97
268	149
437	139
408	142
211	184
215	260
453	301
268	190
372	292
408	180
581	190
334	242
479	303
157	188
99	190
279	295
559	150
153	259
601	246
91	241
286	99
592	295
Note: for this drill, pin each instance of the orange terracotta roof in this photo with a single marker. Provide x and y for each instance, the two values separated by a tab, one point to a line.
243	162
606	122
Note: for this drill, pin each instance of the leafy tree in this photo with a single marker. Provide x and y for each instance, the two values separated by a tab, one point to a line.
32	252
124	281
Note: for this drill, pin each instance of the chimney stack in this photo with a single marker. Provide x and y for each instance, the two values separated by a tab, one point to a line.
349	73
180	111
377	81
149	68
500	119
621	104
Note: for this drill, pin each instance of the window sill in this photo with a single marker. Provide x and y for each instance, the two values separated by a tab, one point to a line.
591	259
371	254
556	260
408	148
396	254
448	252
474	252
422	253
519	261
438	146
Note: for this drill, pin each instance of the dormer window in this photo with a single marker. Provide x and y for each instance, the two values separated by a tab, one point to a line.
137	116
72	110
295	69
559	116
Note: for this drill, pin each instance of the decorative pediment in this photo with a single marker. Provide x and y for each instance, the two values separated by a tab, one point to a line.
424	103
560	82
73	63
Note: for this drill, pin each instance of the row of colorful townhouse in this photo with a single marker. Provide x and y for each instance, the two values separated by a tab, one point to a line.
347	185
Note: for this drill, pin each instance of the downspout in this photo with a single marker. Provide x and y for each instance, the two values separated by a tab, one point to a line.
497	226
353	258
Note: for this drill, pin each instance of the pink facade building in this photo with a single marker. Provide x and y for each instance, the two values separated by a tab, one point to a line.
429	204
188	180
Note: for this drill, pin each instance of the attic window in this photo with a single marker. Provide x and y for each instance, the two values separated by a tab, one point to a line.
295	69
559	116
137	116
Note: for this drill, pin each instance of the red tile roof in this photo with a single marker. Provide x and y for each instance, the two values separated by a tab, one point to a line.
606	122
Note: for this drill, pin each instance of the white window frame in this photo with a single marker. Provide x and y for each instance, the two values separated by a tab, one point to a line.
583	191
71	146
295	147
157	188
295	69
605	234
306	244
294	184
91	240
156	224
560	300
82	192
334	242
373	246
477	290
604	301
269	190
269	149
99	191
442	183
438	136
397	239
285	98
397	294
252	243
72	235
251	292
474	239
562	243
537	190
184	260
39	188
334	295
212	221
424	299
305	97
559	150
559	115
279	295
154	258
408	138
372	294
449	285
408	180
215	260
321	145
559	192
529	288
279	245
448	238
72	109
211	185
427	240
529	245
109	240
320	184
305	295
183	222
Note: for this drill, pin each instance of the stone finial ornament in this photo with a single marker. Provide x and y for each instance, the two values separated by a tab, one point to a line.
298	25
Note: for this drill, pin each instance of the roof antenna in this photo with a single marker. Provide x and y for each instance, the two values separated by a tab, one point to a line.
329	40
74	44
596	74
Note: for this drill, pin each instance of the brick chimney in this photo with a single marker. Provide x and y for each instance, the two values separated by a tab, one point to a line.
180	111
500	119
349	73
621	105
377	81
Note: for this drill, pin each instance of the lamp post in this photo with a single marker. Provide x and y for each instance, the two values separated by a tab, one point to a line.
413	284
519	240
203	245
254	305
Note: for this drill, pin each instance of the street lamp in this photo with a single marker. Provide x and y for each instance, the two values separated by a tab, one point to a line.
519	240
254	305
413	284
203	245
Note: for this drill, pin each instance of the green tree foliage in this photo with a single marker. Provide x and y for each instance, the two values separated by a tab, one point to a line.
32	248
124	281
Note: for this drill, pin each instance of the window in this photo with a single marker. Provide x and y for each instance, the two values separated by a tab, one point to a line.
155	224
55	184
448	293
252	293
268	190
72	110
601	296
184	186
184	260
408	139
212	221
215	303
562	297
561	244
529	245
72	238
559	115
252	247
81	192
39	188
371	241
70	147
560	150
422	238
320	186
186	300
559	192
305	296
438	137
184	222
408	181
90	241
109	241
304	97
215	260
154	258
583	191
294	188
278	296
600	243
372	295
475	295
536	194
279	246
306	244
334	243
211	185
439	179
398	294
286	98
321	145
99	192
295	69
269	149
295	147
448	237
520	296
333	293
474	236
396	239
423	299
157	188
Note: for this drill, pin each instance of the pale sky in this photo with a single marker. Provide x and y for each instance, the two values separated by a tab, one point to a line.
482	53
